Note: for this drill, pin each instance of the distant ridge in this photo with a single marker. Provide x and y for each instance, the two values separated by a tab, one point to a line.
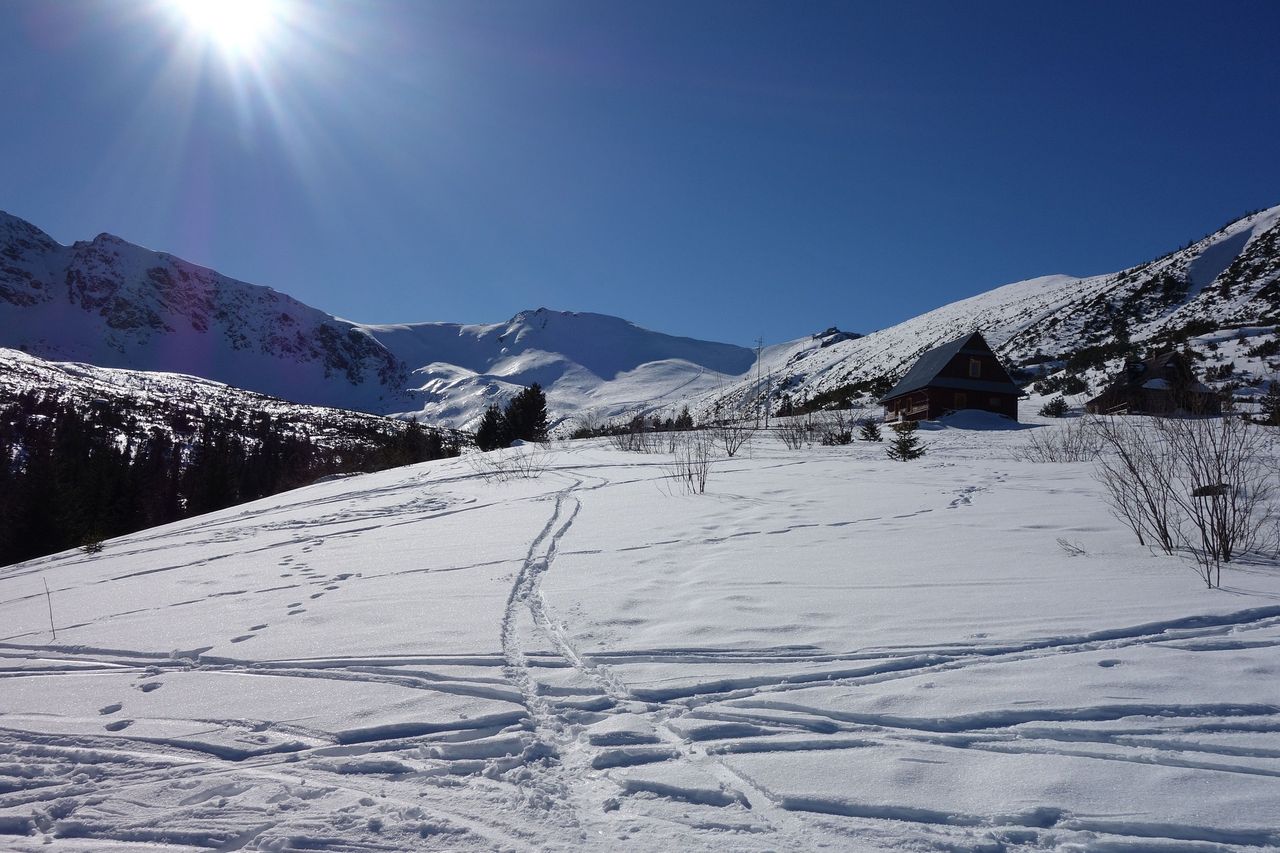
111	303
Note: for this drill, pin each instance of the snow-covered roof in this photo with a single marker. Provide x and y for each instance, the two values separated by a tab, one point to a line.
926	369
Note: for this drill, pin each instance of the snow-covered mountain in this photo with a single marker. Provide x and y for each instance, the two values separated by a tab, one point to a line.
111	303
1229	280
150	401
586	361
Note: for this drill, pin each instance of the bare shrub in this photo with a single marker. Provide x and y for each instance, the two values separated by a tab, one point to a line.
524	462
1075	441
588	425
731	436
1227	486
795	433
1205	486
637	439
1137	472
691	463
836	429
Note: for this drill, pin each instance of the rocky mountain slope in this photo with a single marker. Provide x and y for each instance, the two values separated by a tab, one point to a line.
1225	283
111	303
178	405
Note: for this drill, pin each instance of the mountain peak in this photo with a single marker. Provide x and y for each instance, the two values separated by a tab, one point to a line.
16	228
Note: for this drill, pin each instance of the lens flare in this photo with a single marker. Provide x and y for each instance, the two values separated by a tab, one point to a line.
235	27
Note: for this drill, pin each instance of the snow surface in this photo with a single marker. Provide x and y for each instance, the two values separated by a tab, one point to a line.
827	650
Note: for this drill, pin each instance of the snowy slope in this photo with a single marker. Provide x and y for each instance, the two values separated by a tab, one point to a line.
113	304
1227	280
156	401
828	650
587	361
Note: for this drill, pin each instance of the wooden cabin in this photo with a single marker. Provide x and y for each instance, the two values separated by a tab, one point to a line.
960	374
1165	384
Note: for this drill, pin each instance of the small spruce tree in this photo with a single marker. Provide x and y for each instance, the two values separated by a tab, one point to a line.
526	415
1270	415
492	431
905	445
1055	408
869	430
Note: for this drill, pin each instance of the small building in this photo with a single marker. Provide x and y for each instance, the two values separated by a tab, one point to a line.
960	374
1165	384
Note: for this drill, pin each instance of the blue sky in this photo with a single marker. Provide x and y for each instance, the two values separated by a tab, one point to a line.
715	169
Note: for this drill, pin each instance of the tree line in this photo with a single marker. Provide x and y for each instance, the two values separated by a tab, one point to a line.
523	418
72	475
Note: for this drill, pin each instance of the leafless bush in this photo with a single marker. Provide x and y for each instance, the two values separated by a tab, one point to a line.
589	423
691	462
637	439
732	436
1205	486
795	433
1074	441
1224	468
526	462
836	429
675	438
1138	474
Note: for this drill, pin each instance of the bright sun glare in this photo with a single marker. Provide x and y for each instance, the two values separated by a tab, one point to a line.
234	26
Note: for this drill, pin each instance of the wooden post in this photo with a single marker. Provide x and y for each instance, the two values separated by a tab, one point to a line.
49	600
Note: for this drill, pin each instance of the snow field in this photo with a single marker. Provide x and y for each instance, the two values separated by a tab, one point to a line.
828	650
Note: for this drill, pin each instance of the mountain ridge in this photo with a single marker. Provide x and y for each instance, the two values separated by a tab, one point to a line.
1229	279
112	303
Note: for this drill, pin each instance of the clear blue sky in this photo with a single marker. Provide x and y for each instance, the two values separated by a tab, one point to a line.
716	169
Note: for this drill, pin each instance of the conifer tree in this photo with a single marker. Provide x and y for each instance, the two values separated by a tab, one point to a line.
492	429
869	431
526	415
1271	403
1055	408
905	445
413	443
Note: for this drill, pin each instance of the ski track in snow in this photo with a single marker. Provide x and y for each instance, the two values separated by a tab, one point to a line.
515	701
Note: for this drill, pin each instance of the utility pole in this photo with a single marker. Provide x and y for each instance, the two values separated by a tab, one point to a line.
768	398
759	348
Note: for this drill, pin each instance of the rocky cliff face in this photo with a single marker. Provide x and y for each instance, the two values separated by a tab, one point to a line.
114	304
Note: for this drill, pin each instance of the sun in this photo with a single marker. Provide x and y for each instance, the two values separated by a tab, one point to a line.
235	27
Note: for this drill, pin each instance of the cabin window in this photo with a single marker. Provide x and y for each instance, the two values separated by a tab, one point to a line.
975	368
962	400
